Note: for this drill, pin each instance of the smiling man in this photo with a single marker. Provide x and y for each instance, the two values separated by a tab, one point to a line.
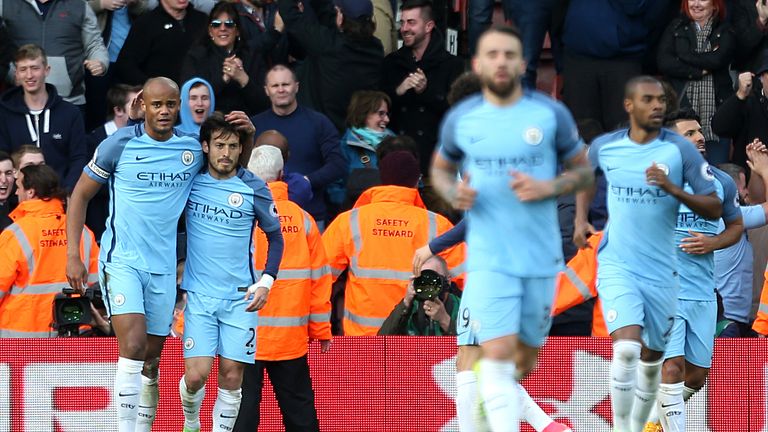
6	188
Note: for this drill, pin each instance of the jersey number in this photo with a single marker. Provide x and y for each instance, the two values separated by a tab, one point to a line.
250	344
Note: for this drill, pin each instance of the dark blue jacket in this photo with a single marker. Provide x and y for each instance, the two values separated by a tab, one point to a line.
59	131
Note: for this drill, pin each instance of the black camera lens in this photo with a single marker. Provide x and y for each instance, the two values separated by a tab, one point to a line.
428	285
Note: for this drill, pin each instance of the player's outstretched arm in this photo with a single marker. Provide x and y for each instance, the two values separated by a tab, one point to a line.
85	189
443	175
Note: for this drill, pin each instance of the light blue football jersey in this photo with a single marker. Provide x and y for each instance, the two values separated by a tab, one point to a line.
221	217
531	136
697	271
149	182
639	240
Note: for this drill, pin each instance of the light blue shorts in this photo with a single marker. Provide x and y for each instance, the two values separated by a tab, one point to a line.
128	290
693	335
494	305
219	326
628	301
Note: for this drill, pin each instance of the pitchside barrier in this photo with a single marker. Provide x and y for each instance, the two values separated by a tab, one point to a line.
365	384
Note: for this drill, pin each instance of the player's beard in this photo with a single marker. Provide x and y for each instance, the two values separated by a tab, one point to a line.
502	90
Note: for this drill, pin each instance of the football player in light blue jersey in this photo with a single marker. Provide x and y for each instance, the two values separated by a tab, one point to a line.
509	143
225	206
645	168
149	169
689	352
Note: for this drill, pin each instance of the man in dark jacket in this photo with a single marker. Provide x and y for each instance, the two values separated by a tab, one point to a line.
342	54
34	113
418	76
744	116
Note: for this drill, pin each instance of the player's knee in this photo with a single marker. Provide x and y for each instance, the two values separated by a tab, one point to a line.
133	348
194	379
467	356
626	352
673	370
230	378
151	367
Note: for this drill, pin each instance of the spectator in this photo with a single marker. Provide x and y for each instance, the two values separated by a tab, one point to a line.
7	197
35	113
228	63
30	279
600	59
197	103
299	189
298	310
744	115
418	76
119	99
694	54
367	120
343	55
27	155
749	20
7	49
314	141
158	42
389	218
413	316
386	30
67	31
262	28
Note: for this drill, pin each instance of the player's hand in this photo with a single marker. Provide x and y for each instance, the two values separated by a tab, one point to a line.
421	256
757	158
581	232
697	244
241	121
77	275
464	198
529	189
410	293
257	297
656	176
745	85
135	112
325	346
95	67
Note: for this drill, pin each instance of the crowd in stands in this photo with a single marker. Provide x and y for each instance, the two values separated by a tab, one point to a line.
357	118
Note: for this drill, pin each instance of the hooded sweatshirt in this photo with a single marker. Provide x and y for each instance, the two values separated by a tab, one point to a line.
187	124
58	130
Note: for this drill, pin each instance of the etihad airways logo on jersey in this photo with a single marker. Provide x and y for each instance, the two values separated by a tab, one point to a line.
690	220
213	213
166	180
638	195
502	165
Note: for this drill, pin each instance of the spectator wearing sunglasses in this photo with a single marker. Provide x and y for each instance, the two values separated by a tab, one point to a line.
158	42
225	59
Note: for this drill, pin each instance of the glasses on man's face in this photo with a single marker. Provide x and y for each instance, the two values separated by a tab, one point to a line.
228	23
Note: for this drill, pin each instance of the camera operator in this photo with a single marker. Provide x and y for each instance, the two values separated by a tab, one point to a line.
417	316
33	255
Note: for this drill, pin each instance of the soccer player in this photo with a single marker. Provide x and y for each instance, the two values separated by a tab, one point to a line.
224	207
689	352
509	143
645	168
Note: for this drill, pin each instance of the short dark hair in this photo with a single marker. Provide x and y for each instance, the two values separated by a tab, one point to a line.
365	102
392	144
633	83
5	156
44	180
683	114
427	10
465	85
216	122
733	170
117	97
21	151
504	29
358	28
30	52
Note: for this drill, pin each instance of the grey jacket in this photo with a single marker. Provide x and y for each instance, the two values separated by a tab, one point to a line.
68	40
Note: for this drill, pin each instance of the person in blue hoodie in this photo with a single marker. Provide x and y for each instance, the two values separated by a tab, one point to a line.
197	103
34	113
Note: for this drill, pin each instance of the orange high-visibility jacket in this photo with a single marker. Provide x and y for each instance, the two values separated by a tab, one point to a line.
578	283
761	321
299	303
376	241
33	267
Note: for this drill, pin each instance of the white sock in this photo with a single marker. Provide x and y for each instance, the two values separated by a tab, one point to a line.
531	411
499	392
648	378
626	354
190	403
147	404
226	408
672	407
466	398
688	392
126	392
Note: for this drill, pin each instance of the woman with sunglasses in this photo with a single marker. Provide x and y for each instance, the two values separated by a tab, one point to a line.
226	61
